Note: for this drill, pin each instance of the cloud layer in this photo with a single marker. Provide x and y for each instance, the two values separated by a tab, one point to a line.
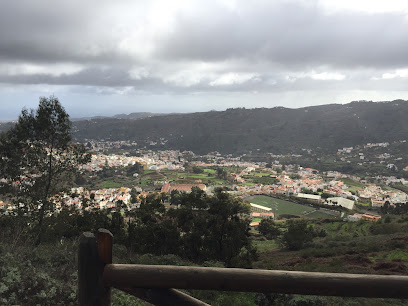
170	48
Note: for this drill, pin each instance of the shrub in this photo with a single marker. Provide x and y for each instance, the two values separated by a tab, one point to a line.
297	235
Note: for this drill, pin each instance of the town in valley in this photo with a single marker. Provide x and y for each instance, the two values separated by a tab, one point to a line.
119	176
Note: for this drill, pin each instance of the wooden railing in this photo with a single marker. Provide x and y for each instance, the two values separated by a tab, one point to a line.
154	283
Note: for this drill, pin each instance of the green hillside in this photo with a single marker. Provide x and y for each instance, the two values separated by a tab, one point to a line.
276	129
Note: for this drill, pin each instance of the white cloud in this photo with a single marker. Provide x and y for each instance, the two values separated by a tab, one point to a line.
369	6
402	73
328	76
185	78
186	74
319	76
138	73
234	78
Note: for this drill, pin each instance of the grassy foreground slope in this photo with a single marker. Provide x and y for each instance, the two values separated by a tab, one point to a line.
47	275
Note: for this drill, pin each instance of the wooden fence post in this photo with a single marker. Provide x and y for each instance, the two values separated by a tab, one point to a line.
105	244
91	289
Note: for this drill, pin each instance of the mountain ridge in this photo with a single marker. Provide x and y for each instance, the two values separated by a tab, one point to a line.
278	129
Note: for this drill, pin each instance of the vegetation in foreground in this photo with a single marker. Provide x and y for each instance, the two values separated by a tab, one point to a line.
46	274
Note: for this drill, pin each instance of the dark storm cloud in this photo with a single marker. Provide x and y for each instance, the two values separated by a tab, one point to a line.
290	34
285	33
87	77
54	31
267	46
20	50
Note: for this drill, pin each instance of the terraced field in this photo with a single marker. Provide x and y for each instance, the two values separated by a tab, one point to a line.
320	215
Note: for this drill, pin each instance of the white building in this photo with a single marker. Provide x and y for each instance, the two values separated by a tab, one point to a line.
259	208
310	197
346	203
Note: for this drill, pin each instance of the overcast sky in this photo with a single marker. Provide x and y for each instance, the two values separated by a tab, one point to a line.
103	57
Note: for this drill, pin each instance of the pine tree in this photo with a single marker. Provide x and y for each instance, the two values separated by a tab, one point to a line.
38	160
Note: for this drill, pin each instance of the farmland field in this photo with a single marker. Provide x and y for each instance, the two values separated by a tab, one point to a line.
320	215
282	207
176	177
352	185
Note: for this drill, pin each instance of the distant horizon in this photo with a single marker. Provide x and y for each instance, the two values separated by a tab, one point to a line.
126	113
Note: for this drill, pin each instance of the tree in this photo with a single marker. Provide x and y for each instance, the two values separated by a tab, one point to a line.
198	170
228	229
175	197
297	234
133	195
222	173
268	228
39	160
136	168
295	176
325	195
164	197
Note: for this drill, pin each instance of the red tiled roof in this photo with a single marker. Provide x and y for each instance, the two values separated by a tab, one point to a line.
165	188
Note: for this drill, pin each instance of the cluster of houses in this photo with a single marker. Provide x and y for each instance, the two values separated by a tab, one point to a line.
336	190
378	197
100	199
166	159
353	154
102	145
100	161
291	187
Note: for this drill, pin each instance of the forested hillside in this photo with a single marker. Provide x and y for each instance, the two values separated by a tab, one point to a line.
277	130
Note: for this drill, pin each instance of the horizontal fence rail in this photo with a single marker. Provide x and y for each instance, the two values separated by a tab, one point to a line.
155	283
228	279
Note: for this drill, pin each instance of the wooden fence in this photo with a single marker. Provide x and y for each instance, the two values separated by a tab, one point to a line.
155	283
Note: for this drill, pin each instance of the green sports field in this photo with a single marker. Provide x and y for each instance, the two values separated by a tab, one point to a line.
281	207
